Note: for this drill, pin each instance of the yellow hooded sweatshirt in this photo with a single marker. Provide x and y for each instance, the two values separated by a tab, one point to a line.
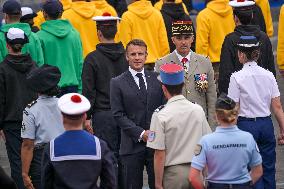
80	16
212	25
265	9
280	46
143	21
159	5
103	6
39	19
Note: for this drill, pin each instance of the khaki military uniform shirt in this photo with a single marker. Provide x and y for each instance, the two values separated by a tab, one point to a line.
199	82
177	128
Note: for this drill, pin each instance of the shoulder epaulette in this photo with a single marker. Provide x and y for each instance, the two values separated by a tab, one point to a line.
159	108
31	104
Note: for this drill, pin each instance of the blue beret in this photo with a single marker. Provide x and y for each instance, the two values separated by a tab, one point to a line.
171	74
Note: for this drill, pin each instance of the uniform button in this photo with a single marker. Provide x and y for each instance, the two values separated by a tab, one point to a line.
188	92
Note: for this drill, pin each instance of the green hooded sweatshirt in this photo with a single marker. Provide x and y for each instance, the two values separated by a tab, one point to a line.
62	47
33	47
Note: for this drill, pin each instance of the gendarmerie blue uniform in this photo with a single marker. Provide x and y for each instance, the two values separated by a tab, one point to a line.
227	153
42	122
76	159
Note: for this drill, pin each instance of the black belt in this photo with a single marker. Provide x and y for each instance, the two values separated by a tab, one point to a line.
228	186
240	118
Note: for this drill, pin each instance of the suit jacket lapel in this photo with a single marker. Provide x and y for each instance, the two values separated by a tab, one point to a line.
175	59
192	63
149	80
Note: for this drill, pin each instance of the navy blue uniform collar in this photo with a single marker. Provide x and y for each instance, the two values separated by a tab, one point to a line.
75	145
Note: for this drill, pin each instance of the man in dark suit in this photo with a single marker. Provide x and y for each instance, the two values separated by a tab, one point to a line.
134	95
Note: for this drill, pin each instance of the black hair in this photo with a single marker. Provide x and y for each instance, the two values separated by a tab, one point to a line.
252	54
174	89
108	31
54	16
16	47
54	91
245	16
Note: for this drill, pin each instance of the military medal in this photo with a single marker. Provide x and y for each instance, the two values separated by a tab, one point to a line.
201	82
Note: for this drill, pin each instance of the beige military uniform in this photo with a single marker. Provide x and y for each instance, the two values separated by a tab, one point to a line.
177	128
203	93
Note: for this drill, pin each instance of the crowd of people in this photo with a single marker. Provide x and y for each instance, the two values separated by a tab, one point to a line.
91	92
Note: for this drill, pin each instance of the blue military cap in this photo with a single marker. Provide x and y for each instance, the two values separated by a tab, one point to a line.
248	43
171	74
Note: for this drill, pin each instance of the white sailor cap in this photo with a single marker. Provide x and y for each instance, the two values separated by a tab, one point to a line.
241	4
16	36
73	104
106	17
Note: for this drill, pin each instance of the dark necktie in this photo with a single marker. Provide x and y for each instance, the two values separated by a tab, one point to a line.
141	83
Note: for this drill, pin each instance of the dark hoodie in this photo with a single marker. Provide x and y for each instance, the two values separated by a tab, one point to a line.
14	93
173	12
106	62
229	61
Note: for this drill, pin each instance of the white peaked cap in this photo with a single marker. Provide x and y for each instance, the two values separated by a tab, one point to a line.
73	104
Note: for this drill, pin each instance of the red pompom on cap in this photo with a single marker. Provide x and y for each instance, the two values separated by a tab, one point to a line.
106	14
76	99
240	0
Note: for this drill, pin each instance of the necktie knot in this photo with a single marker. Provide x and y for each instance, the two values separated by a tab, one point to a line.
139	75
184	60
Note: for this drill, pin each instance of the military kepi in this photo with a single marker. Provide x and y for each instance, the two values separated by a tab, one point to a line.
73	104
248	43
182	27
171	74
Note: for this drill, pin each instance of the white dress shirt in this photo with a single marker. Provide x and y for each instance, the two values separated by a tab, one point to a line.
136	79
181	57
254	88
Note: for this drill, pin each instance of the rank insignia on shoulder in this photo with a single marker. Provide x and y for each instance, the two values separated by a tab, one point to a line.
159	108
257	149
197	149
151	136
31	104
23	127
26	112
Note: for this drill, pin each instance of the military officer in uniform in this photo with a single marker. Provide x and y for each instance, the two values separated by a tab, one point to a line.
256	91
199	82
42	122
76	158
227	153
175	130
